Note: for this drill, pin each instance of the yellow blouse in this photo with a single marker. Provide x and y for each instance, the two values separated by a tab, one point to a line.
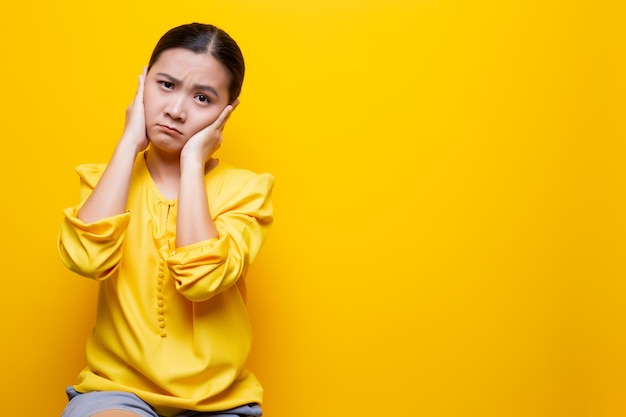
171	324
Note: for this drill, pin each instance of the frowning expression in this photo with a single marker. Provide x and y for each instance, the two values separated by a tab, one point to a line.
184	92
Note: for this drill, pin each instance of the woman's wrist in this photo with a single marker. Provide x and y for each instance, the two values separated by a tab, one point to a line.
128	144
192	161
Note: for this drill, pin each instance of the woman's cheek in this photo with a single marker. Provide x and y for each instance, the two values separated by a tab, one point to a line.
214	115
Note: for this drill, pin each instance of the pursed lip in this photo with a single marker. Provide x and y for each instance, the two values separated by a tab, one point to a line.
168	128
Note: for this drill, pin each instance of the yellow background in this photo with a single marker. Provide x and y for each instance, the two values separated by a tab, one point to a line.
450	229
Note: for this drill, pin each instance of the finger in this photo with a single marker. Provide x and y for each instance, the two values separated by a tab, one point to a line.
223	117
140	86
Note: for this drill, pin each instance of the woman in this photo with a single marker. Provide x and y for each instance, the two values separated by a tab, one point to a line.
170	231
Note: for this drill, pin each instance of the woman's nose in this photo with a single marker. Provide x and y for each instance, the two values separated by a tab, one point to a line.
176	108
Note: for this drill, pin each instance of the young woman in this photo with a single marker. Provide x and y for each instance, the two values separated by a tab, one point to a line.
169	231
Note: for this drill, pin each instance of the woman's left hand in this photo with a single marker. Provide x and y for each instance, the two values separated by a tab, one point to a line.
203	144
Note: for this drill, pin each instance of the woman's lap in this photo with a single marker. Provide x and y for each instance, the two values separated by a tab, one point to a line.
87	404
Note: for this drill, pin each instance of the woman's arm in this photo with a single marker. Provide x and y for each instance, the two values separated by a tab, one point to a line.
110	195
243	216
194	223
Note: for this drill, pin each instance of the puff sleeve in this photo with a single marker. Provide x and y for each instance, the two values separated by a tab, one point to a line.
92	250
207	268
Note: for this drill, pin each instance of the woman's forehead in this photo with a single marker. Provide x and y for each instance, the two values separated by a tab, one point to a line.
183	63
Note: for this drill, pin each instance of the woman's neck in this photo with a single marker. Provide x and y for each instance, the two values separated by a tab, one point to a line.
165	172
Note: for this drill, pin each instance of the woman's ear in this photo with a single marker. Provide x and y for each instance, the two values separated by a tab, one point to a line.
235	103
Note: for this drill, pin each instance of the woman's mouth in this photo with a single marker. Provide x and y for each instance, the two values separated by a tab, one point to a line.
169	129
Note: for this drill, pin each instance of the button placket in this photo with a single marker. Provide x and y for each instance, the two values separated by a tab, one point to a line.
161	299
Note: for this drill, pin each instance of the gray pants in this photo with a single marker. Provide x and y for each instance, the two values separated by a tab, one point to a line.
87	404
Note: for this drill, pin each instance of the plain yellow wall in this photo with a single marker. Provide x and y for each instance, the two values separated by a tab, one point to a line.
450	230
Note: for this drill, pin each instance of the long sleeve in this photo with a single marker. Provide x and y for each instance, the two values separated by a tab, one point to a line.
205	269
92	250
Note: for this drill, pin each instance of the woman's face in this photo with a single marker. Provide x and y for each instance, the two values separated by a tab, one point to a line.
184	92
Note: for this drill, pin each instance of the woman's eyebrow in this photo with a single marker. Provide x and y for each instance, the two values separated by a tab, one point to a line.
195	87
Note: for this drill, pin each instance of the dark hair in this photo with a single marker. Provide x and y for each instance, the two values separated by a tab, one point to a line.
201	39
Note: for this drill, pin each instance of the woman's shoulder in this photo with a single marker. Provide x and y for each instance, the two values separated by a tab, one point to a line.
227	176
230	173
90	173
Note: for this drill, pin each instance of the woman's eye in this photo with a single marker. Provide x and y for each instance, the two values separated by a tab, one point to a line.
202	98
167	84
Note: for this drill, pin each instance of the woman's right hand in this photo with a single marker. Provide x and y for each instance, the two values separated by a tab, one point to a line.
135	126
